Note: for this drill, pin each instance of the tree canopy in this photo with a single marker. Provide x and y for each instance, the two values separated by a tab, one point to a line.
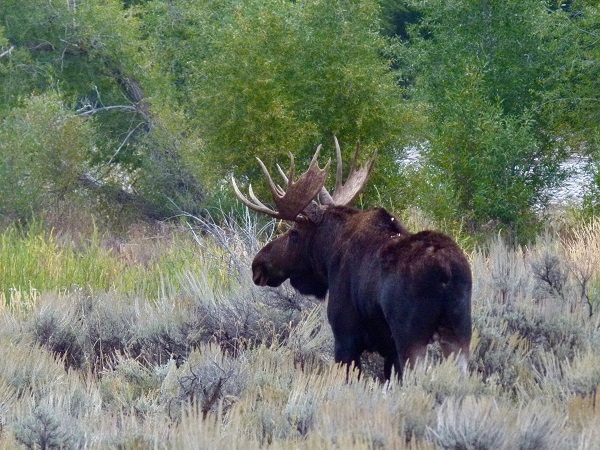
146	107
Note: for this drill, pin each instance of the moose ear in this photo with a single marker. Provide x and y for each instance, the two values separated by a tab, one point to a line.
312	214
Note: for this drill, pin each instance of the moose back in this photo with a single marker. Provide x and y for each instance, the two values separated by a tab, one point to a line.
390	291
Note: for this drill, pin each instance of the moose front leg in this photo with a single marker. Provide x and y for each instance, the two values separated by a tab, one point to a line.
391	362
346	324
347	351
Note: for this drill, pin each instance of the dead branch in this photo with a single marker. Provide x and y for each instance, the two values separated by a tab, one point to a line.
121	197
7	52
95	110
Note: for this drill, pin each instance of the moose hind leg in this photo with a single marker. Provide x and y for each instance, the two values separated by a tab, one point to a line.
453	344
455	328
417	353
409	355
455	337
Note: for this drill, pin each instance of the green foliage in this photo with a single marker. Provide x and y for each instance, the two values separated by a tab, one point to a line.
80	48
93	56
266	78
497	167
35	260
482	68
3	40
572	105
183	94
42	151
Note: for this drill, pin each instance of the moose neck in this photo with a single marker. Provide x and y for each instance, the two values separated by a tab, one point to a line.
344	229
319	249
329	232
343	236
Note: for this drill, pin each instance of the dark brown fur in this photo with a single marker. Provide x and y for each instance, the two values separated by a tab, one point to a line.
390	291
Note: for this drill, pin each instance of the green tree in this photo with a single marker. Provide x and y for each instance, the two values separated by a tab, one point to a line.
42	148
573	106
268	77
482	69
93	54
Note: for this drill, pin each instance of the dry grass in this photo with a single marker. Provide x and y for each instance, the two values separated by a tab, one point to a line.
204	359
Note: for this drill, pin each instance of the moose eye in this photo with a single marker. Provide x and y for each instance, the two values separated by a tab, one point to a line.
294	236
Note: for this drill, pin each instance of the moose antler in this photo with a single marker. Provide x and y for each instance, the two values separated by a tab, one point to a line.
346	193
298	194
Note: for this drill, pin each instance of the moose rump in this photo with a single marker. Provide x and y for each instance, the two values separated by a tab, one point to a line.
390	291
427	296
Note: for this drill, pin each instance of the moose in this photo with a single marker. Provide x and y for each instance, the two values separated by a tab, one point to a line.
390	291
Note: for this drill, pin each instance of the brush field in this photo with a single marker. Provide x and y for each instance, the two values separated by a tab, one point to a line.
159	339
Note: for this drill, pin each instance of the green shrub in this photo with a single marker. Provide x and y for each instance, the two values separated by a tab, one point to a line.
42	152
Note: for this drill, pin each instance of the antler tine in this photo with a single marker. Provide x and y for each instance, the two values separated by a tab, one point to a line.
255	198
345	193
292	169
301	192
258	207
276	191
292	174
313	161
338	170
298	194
283	175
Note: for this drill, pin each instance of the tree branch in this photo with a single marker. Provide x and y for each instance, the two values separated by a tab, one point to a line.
93	111
121	197
7	52
112	158
566	99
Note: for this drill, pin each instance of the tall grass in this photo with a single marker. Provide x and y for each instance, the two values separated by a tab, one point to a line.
160	340
145	263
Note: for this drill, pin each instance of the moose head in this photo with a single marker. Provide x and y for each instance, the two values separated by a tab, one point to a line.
302	203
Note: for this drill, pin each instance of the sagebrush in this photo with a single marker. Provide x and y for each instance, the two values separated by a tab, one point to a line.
207	360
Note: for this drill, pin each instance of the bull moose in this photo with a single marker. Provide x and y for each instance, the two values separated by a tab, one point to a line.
390	290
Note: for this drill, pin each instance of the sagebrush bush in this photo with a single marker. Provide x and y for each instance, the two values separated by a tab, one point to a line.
443	379
28	369
129	383
167	330
497	354
311	339
539	426
472	423
43	429
507	274
549	268
54	329
415	411
210	379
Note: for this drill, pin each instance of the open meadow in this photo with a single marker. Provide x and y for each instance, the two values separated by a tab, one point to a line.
159	339
129	318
